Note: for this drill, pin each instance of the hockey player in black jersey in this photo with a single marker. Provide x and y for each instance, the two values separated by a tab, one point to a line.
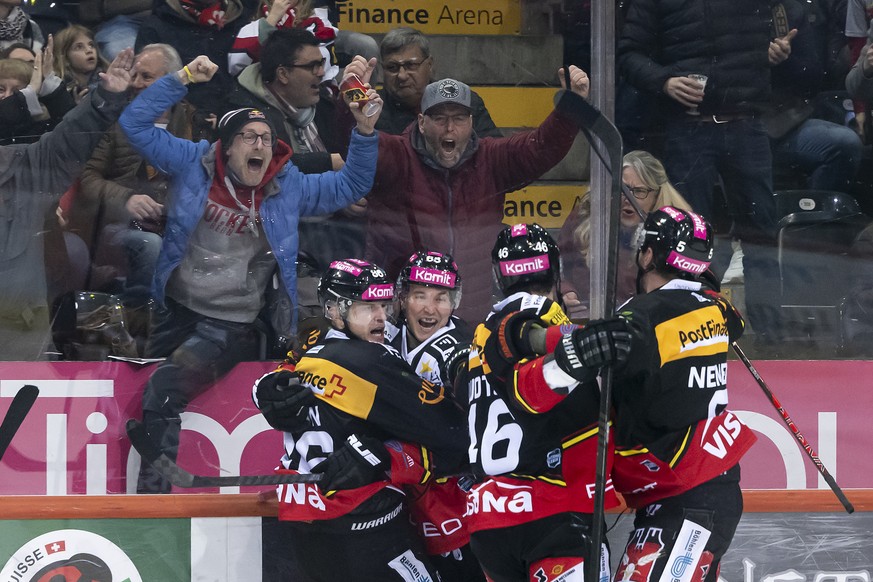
382	427
677	445
429	337
428	333
532	419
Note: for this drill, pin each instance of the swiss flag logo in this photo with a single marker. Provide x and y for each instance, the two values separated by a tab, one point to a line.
55	547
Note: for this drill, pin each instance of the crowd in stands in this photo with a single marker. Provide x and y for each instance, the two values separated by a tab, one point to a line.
770	118
193	181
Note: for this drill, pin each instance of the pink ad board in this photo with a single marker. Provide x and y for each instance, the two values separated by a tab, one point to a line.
73	440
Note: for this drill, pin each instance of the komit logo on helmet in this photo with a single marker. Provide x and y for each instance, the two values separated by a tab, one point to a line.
525	266
685	264
432	276
674	214
378	293
699	225
347	267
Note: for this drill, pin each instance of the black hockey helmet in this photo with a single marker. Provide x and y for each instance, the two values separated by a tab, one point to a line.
351	280
525	254
682	241
431	269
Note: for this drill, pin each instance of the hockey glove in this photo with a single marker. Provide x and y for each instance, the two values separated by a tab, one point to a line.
358	462
509	343
456	365
602	342
283	400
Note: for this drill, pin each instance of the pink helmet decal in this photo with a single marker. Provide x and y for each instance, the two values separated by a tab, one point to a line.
432	277
699	225
384	292
347	267
524	266
674	213
687	264
518	230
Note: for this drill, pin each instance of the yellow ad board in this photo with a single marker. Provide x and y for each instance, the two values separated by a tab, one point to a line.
430	16
548	205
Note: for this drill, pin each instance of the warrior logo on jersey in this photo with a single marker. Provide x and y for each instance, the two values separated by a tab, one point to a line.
702	332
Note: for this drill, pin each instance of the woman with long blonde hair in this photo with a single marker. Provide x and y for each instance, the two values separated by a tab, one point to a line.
646	180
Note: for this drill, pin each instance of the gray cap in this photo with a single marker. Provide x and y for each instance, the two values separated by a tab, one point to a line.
445	91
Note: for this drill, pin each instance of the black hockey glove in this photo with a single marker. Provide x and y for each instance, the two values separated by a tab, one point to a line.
361	460
509	343
456	365
283	400
602	342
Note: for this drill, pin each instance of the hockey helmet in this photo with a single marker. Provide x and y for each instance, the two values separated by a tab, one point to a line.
525	254
431	269
351	280
682	241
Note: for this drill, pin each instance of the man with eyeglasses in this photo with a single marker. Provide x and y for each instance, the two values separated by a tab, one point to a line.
286	86
439	185
407	68
231	224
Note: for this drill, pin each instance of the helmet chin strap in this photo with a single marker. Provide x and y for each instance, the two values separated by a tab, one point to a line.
641	272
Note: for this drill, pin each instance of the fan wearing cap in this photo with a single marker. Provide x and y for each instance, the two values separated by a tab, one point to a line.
232	219
439	185
677	445
370	426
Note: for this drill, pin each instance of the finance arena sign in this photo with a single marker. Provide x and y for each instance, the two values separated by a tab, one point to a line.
430	16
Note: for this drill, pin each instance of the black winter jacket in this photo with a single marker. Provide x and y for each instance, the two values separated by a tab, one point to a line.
726	40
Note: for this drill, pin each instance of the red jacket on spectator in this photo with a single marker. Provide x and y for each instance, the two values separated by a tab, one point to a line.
415	203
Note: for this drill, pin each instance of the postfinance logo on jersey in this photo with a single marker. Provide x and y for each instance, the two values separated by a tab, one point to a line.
338	386
702	332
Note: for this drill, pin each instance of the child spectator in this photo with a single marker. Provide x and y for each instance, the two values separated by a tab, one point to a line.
77	60
284	14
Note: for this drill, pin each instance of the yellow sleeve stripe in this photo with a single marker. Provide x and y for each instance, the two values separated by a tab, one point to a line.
581	437
517	394
631	452
681	450
425	463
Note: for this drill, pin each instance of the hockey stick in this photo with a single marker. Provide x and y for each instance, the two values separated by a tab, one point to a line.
804	444
21	405
179	477
593	124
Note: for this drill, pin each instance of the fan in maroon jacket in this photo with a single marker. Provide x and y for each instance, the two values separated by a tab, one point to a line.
438	185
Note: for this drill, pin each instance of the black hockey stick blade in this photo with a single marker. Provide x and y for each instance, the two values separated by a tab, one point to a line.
179	477
21	405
